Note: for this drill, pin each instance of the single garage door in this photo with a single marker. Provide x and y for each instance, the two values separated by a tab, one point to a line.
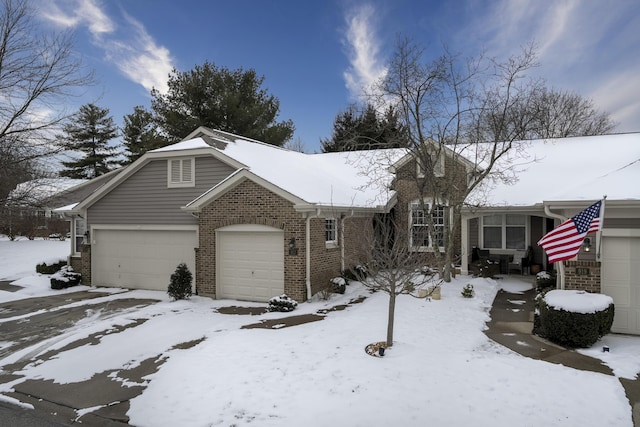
250	262
621	281
140	259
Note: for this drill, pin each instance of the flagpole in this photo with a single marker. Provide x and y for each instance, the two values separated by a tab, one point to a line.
599	254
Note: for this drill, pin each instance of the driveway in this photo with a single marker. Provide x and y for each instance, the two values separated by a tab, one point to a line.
37	324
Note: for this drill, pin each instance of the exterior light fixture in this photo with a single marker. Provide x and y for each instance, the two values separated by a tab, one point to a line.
587	244
293	250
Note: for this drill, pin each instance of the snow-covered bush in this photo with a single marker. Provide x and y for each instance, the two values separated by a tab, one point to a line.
575	318
44	268
355	273
468	291
65	278
282	303
180	284
545	280
338	285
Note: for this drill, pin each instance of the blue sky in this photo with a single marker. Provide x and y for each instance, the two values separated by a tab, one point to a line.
317	55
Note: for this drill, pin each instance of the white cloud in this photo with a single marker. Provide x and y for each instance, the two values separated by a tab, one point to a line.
128	46
363	51
140	58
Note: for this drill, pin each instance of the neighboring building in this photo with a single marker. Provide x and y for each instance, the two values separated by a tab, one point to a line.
252	220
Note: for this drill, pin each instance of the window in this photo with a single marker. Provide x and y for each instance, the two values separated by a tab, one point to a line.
420	238
181	173
331	231
504	232
436	163
79	229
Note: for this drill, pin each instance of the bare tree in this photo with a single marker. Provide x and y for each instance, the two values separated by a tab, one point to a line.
459	128
38	72
387	264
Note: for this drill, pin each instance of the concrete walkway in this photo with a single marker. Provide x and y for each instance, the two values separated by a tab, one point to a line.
511	325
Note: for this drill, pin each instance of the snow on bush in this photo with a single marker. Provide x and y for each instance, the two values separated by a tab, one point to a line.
65	278
338	285
282	303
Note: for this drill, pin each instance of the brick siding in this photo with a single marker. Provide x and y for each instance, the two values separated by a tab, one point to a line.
584	282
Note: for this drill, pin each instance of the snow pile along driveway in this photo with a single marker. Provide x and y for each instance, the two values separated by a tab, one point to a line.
442	369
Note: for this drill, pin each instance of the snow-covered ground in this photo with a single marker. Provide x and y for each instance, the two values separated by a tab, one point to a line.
442	370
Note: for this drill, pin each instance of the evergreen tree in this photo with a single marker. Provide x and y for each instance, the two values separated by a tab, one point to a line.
180	284
89	133
219	98
140	134
365	130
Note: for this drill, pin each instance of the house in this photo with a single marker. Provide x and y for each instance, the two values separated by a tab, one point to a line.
556	179
250	220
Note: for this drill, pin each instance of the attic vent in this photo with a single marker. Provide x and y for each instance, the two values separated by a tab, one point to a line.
181	172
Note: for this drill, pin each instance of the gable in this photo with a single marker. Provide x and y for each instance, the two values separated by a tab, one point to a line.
146	196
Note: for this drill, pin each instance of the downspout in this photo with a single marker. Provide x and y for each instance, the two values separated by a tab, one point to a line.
308	251
342	218
561	265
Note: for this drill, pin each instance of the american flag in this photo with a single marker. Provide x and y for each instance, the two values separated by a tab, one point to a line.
564	241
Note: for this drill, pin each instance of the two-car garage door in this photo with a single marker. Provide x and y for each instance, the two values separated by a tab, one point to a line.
140	259
621	280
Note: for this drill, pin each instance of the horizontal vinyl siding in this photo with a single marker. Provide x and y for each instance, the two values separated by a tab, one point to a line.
621	223
145	199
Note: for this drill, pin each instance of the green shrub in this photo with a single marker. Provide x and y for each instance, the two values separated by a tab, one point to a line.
576	330
545	280
338	285
65	278
44	268
180	284
282	303
468	291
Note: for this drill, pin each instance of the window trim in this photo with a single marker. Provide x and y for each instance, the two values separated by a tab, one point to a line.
331	243
503	227
446	221
75	236
438	171
190	181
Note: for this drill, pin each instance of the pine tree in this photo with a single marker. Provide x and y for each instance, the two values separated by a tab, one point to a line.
365	130
89	134
140	134
180	284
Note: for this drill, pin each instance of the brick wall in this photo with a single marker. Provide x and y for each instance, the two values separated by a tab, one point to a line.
85	264
249	203
576	276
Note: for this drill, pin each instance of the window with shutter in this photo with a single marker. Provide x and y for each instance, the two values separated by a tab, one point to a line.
181	173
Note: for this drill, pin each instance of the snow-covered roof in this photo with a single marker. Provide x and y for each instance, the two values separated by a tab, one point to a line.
346	179
40	190
572	169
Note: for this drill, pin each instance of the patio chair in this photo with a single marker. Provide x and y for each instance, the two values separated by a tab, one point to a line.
518	262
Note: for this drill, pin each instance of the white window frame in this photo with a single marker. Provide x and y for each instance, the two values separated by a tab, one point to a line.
415	206
79	231
503	227
331	232
184	176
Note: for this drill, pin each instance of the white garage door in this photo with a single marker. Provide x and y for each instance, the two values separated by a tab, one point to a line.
140	259
250	262
621	281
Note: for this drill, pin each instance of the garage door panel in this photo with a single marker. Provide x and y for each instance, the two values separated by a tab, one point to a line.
250	264
140	259
621	281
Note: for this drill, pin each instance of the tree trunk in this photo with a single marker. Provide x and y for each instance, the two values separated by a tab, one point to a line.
392	308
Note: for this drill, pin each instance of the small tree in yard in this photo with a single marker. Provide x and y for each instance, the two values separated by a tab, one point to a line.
393	266
180	285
